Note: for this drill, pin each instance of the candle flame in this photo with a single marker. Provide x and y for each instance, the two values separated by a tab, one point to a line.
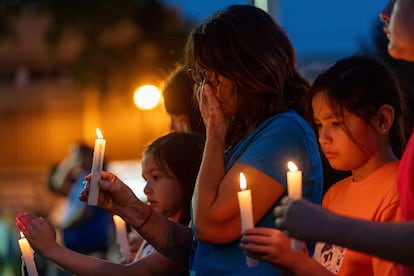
21	235
99	133
243	183
117	218
292	166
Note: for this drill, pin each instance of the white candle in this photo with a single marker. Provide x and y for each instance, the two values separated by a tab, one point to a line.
27	254
294	186
121	237
294	181
246	212
97	163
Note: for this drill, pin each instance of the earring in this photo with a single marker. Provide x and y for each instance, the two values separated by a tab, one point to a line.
384	129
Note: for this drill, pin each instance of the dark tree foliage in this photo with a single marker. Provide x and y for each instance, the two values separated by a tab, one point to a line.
159	34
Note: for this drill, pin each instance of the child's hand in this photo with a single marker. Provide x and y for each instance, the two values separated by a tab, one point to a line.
39	232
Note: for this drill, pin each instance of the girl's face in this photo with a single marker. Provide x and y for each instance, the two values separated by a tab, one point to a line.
162	190
347	142
398	17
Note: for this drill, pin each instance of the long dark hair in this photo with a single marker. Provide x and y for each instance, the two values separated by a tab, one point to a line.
361	85
180	154
244	44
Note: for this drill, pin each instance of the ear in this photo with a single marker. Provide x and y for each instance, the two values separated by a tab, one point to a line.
385	117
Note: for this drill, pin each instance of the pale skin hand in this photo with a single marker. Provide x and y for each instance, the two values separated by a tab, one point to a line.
273	246
215	203
42	238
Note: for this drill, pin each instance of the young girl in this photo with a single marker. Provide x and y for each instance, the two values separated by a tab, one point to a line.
392	241
170	165
359	114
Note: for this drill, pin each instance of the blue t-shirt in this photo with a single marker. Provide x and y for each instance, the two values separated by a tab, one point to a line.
282	138
92	234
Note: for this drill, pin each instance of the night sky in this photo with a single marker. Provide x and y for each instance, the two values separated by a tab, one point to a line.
316	27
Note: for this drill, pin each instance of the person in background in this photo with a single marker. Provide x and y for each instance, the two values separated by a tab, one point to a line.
82	228
391	241
251	99
180	103
359	112
185	116
170	165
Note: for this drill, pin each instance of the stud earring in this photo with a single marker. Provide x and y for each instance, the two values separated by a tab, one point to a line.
383	130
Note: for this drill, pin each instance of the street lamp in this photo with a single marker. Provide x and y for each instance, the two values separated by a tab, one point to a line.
147	97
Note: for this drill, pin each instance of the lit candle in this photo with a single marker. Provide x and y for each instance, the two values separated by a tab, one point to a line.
27	254
294	181
121	237
97	163
246	212
294	186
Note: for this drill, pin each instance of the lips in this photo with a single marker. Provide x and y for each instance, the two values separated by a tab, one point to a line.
329	154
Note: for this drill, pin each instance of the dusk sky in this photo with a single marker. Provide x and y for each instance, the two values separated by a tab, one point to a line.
332	27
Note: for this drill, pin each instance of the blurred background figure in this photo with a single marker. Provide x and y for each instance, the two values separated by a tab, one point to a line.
83	228
180	103
9	254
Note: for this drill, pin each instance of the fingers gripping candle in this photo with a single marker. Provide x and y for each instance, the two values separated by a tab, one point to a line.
27	255
246	212
294	186
97	163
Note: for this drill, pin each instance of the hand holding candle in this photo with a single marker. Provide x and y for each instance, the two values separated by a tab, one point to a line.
97	163
246	212
27	256
294	186
121	237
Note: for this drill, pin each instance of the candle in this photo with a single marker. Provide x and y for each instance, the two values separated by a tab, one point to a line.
121	237
246	212
27	254
294	186
294	181
97	163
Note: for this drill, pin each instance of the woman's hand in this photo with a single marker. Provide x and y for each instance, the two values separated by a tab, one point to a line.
114	195
211	111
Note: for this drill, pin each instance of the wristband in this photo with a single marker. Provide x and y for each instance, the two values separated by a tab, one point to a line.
151	211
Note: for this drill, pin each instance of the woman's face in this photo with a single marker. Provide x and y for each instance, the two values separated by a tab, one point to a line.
349	142
224	90
398	17
162	190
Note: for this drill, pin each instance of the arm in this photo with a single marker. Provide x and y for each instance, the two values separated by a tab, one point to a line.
169	238
307	221
215	203
42	237
271	245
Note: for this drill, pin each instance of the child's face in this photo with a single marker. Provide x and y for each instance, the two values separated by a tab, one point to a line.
163	191
398	17
347	142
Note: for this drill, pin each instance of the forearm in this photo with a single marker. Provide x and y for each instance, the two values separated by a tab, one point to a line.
207	185
80	264
387	240
171	239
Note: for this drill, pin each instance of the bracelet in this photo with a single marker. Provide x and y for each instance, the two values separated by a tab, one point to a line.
151	211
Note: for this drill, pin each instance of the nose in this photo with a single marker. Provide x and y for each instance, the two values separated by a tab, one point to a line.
386	12
323	136
147	189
